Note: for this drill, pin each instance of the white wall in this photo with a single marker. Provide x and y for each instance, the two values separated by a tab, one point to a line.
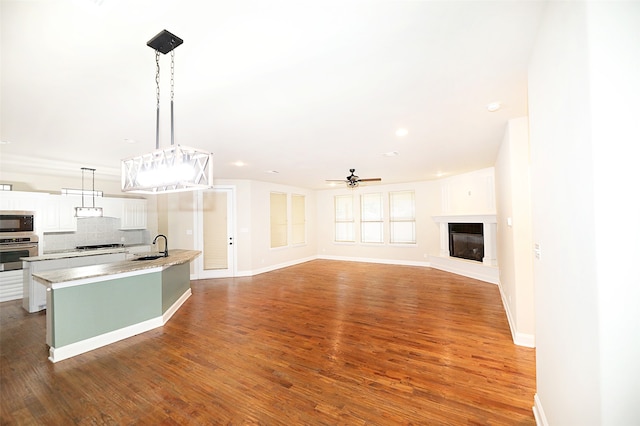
427	198
263	257
469	193
583	110
252	227
614	71
514	231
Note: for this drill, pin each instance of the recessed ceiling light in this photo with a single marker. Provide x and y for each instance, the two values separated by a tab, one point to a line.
402	132
273	172
127	140
239	163
391	154
493	106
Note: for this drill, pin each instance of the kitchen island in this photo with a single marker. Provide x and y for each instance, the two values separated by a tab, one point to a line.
92	306
34	295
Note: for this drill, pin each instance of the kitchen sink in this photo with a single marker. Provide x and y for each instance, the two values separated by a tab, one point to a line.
150	257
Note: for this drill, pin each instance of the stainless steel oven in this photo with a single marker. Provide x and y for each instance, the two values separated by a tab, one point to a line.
13	247
17	238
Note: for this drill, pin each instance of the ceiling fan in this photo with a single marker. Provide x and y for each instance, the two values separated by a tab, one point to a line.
353	180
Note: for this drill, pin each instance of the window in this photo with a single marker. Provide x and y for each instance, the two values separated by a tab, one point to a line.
345	231
278	219
402	217
298	219
371	218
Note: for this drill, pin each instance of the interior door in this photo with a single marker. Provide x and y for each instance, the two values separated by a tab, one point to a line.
216	233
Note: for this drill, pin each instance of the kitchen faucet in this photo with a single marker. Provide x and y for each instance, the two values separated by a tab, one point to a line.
166	244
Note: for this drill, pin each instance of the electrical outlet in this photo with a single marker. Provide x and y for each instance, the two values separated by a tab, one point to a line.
536	251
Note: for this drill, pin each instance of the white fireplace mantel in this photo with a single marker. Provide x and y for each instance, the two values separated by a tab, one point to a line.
466	218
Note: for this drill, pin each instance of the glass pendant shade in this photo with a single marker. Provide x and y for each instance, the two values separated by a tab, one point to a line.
173	169
88	211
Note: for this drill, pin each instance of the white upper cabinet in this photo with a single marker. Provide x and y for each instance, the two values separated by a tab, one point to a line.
22	201
111	207
57	213
134	214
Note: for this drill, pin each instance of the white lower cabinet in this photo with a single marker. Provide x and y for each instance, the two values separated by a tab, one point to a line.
10	285
34	294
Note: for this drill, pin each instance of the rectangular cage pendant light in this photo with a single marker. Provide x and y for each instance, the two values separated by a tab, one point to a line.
173	169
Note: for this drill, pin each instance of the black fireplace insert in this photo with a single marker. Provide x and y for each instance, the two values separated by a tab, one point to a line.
466	241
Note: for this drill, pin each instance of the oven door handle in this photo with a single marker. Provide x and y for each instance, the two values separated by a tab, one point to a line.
10	266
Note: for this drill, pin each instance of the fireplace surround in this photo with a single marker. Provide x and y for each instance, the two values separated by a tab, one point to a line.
486	221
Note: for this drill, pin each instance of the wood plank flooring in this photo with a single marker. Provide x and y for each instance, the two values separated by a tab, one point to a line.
320	343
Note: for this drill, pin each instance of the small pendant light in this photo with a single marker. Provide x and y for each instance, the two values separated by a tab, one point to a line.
92	211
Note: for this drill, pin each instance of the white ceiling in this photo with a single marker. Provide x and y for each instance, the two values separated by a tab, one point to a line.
306	88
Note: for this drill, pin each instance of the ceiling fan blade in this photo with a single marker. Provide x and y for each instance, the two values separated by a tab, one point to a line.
370	180
335	180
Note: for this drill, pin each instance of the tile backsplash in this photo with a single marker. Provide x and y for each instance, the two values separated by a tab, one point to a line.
94	230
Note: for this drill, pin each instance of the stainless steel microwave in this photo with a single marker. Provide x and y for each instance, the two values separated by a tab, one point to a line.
12	221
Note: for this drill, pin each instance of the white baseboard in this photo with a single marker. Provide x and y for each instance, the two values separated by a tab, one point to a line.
270	268
466	268
538	412
374	260
176	305
520	339
77	348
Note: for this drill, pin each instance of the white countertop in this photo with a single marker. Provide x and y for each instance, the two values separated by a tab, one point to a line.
176	257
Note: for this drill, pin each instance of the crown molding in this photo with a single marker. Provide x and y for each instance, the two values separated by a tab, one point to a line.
43	166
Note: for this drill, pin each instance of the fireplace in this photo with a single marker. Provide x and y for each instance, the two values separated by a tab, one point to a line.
466	241
482	233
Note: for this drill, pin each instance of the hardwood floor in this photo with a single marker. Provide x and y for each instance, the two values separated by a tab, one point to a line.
324	342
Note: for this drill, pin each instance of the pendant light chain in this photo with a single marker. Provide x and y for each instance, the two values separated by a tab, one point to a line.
157	79
157	99
173	54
